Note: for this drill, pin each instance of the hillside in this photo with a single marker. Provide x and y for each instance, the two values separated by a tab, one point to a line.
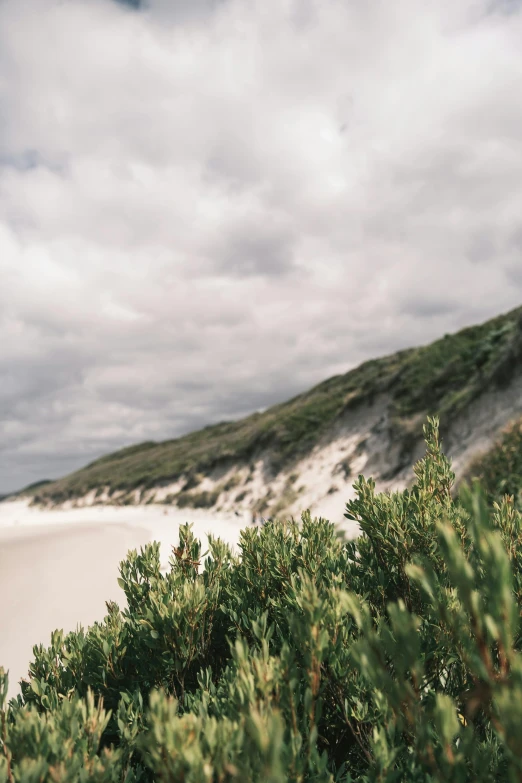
500	468
303	452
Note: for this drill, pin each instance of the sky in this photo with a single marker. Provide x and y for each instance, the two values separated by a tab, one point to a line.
208	206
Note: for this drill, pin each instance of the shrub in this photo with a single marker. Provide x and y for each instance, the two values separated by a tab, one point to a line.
205	499
395	657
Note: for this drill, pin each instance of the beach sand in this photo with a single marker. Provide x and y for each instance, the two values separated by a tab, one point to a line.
56	577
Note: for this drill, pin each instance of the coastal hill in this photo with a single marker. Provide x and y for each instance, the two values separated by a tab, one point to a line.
307	452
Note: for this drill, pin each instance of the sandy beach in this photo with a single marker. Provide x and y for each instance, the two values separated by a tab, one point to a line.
57	568
56	577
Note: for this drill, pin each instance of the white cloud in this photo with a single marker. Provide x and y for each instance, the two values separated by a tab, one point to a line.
208	206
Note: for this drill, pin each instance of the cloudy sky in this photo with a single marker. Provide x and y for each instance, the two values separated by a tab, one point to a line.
207	206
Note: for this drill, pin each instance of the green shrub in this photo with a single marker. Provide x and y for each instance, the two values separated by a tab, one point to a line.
205	499
395	657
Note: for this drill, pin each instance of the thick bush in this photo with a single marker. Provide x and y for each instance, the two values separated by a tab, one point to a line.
395	657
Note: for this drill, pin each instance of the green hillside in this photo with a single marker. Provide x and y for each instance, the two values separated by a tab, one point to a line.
441	378
500	470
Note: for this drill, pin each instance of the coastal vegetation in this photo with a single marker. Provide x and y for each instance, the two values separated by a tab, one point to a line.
500	469
303	658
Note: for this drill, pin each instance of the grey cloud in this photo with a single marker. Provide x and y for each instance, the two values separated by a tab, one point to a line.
24	160
256	250
178	11
507	7
208	207
515	240
232	162
450	178
422	306
514	272
303	14
19	471
483	247
136	4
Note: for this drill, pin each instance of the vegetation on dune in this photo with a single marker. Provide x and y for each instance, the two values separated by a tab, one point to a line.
447	374
306	658
37	485
441	378
500	470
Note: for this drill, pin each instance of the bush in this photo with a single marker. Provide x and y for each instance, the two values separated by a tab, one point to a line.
395	657
205	499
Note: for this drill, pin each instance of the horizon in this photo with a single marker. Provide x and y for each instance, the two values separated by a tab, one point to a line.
208	208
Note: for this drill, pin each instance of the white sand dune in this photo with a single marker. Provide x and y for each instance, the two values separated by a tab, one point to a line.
57	568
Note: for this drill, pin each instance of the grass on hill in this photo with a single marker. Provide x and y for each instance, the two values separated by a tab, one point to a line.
500	470
441	378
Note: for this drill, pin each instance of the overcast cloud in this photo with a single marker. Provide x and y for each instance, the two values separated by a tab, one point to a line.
208	206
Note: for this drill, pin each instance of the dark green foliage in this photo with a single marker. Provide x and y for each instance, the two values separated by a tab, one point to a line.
441	378
205	499
395	657
500	470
